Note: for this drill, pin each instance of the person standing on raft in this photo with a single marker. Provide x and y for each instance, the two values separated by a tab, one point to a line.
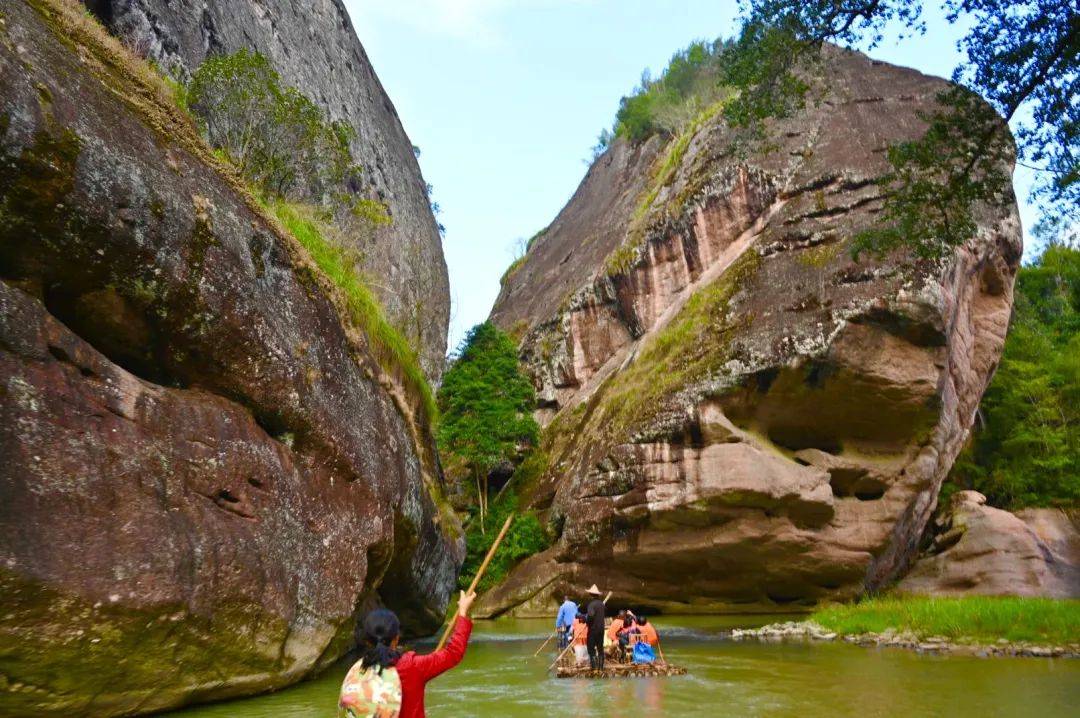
594	616
385	683
564	621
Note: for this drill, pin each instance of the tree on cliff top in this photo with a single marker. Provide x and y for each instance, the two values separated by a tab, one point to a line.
279	139
688	85
1020	56
486	406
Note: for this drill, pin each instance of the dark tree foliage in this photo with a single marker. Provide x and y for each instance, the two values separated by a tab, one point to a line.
939	178
279	140
1026	447
486	405
1021	56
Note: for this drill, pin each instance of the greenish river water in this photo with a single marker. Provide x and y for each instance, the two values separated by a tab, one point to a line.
500	678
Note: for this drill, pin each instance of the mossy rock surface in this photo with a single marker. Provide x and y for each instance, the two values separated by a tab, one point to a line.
207	471
737	412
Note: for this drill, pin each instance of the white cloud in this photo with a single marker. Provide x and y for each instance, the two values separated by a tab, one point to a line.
472	20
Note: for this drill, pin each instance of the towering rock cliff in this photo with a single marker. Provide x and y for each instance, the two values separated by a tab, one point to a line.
205	472
311	43
739	416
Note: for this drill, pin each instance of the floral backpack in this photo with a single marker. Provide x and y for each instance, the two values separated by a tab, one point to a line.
370	693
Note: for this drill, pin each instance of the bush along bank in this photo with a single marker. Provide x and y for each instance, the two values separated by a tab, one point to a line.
976	626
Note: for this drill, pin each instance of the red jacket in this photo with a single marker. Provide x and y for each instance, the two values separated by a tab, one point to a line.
415	671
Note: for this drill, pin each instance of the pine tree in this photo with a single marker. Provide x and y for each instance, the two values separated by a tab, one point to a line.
486	406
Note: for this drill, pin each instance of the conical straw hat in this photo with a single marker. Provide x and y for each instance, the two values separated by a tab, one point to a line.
594	590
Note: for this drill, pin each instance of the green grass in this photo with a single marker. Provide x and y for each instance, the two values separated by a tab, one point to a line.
511	270
372	211
392	350
621	260
978	619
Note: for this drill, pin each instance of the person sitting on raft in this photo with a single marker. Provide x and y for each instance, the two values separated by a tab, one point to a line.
564	621
614	629
616	625
648	631
629	629
386	683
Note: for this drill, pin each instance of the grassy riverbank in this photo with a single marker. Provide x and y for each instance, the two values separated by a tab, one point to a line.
975	619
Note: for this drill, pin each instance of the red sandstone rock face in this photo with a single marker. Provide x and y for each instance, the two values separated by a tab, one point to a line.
205	473
740	416
982	550
313	46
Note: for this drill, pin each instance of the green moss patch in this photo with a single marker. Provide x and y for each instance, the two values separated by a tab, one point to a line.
35	184
511	270
664	173
60	654
393	351
694	345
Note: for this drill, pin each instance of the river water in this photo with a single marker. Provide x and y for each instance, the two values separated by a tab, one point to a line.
500	678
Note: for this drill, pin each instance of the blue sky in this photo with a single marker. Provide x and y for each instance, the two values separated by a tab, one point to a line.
505	98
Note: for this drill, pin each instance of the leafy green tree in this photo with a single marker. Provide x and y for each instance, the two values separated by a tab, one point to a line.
1026	447
279	140
689	84
1020	56
525	538
486	406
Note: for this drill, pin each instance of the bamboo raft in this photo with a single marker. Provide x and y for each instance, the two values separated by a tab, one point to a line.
566	666
620	670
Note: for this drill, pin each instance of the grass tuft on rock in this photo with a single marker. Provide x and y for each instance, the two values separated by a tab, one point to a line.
692	347
393	351
977	619
663	174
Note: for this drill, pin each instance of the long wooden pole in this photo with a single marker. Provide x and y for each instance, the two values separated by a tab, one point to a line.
571	644
478	576
542	645
662	659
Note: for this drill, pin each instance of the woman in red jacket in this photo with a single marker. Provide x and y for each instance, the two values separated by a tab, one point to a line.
385	683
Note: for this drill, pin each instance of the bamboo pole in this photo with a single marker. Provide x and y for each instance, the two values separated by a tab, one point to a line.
478	576
571	644
542	645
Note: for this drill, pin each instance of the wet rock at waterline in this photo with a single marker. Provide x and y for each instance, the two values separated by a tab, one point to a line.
206	473
312	45
740	417
891	638
978	549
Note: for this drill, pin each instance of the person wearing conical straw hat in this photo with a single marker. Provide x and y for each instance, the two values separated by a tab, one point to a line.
594	616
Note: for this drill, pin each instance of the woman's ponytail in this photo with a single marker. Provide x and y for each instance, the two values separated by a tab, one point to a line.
380	628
